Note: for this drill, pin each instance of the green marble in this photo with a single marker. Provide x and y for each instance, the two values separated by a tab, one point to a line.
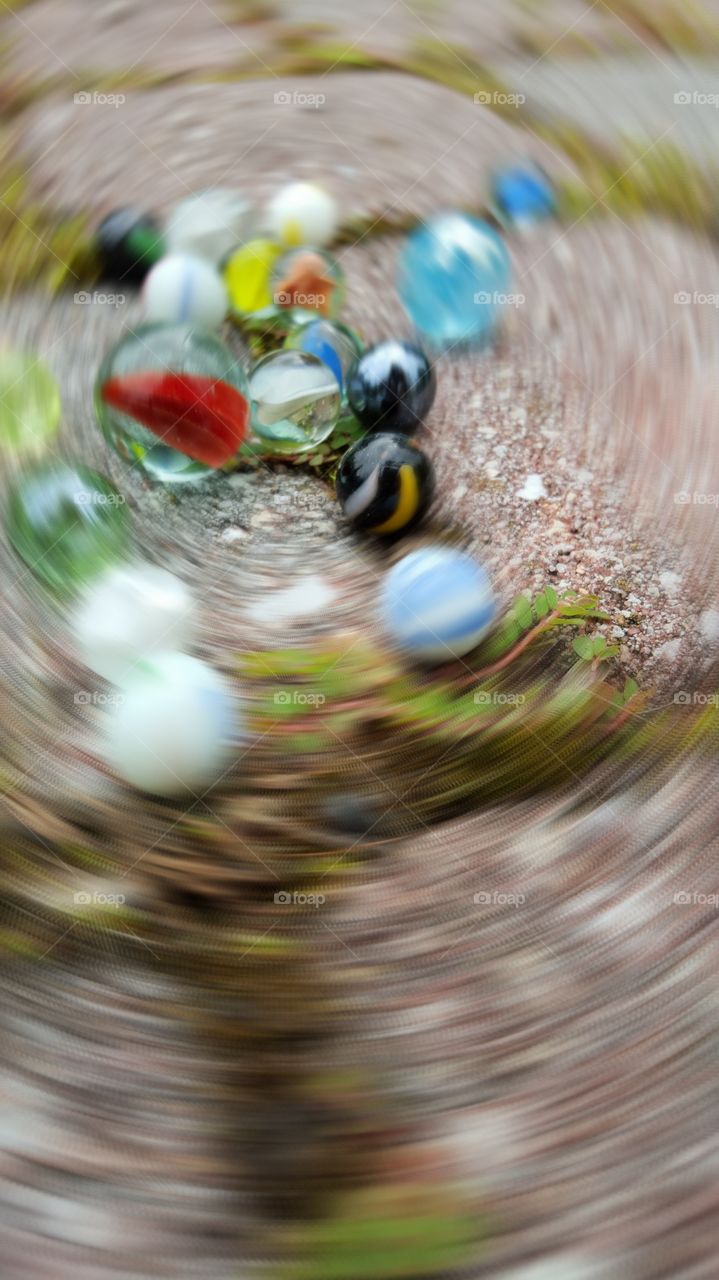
66	524
30	404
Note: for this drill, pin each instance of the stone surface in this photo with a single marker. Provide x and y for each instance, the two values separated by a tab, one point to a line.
385	145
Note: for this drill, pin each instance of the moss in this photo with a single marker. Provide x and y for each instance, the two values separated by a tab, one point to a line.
633	184
387	1232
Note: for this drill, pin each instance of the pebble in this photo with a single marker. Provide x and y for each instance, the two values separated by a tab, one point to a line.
533	488
709	624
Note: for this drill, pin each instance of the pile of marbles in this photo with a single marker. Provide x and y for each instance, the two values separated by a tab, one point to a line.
172	399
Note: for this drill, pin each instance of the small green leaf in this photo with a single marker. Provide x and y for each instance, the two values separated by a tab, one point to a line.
583	647
523	612
599	645
541	605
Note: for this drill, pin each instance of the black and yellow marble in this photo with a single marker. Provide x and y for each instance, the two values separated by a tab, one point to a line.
385	484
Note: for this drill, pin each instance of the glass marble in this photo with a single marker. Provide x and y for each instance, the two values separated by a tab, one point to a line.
128	244
66	524
248	274
182	289
437	603
174	400
308	280
129	615
173	728
295	401
331	342
392	387
454	273
523	195
385	484
302	213
209	225
30	404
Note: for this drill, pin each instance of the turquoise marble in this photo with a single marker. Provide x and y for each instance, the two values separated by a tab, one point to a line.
453	277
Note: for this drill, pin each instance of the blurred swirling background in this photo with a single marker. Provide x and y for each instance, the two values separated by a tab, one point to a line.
477	1032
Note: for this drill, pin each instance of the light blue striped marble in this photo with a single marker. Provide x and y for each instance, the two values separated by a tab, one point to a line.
437	603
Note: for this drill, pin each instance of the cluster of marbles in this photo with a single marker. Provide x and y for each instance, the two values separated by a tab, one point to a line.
170	728
177	403
181	405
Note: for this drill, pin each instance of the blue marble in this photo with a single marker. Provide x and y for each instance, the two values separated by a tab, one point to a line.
454	273
523	195
334	344
437	603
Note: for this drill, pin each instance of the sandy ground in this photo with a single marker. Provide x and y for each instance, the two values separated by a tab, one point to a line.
176	1096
